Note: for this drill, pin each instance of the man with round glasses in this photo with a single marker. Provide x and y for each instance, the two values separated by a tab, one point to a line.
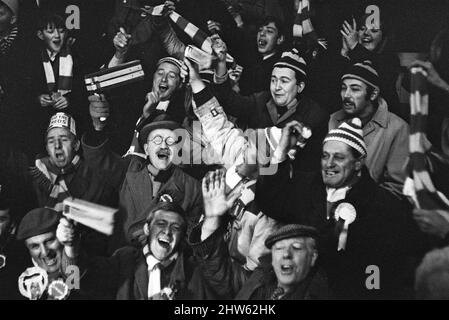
144	183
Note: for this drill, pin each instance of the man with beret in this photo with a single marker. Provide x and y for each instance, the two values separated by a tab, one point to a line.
363	225
38	230
385	134
289	272
162	270
143	182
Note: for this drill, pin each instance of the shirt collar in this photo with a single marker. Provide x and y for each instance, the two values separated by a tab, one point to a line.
269	56
51	55
152	261
381	115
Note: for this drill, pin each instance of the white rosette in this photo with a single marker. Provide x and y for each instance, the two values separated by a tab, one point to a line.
348	214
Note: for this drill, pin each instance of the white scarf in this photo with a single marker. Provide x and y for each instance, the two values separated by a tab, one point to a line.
64	85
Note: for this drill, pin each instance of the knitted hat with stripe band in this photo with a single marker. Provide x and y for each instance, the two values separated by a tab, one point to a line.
171	60
292	60
350	133
365	72
62	120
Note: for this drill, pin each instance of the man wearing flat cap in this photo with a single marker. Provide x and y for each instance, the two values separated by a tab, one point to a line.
289	272
362	224
161	270
142	182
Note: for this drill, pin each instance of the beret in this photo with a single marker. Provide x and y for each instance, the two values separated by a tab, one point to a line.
291	231
37	222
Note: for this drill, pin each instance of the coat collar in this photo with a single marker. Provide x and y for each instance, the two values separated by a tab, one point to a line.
380	117
141	277
273	111
362	192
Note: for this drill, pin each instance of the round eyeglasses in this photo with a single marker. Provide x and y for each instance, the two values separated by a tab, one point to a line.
169	141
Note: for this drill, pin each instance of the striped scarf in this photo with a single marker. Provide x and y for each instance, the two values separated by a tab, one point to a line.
54	181
302	26
419	185
199	37
6	42
65	75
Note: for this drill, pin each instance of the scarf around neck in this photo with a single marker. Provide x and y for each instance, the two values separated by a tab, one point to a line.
65	73
53	179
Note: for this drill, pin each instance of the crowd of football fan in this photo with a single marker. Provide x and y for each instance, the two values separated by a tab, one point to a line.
261	163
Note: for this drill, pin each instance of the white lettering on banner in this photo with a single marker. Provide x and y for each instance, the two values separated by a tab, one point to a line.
373	20
73	21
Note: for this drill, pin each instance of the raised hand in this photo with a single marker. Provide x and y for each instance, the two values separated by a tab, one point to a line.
194	77
432	74
99	110
152	99
350	34
214	26
219	47
291	136
121	42
432	222
65	233
216	203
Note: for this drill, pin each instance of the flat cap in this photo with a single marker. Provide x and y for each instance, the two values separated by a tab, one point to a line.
291	231
37	222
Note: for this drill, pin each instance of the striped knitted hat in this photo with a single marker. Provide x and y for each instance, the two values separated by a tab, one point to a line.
292	60
363	71
350	133
171	60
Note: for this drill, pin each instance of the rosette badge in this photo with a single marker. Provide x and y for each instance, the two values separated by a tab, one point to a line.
348	214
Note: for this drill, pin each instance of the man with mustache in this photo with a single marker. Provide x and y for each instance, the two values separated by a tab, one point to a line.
385	134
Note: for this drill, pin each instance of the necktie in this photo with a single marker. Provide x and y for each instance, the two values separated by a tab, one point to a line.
154	283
